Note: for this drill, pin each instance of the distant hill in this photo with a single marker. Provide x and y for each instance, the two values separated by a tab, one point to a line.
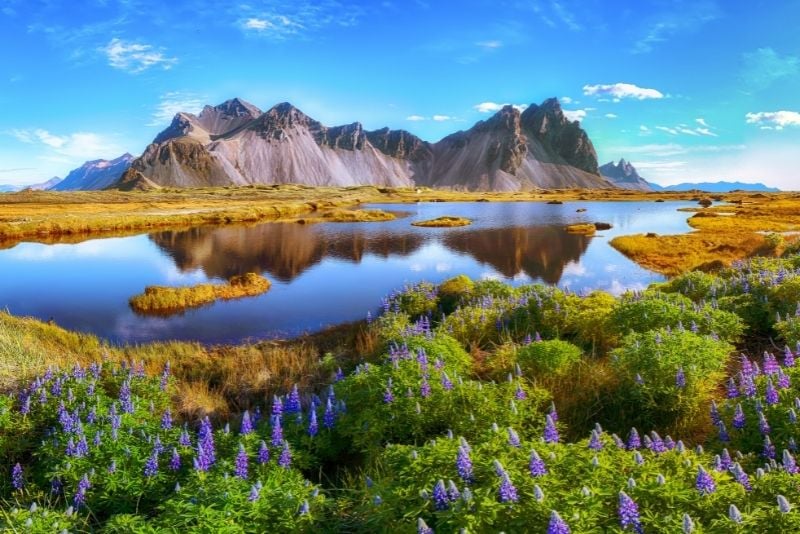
44	186
624	175
94	175
6	188
721	187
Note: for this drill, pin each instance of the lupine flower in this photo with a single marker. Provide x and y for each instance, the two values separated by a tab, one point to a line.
422	527
424	388
594	441
277	405
313	426
741	476
734	514
783	505
629	513
447	384
633	439
254	492
738	417
184	439
285	459
166	419
536	465
789	463
723	433
125	400
618	441
731	390
151	465
680	378
293	401
507	492
452	491
440	499
715	417
339	376
17	481
553	413
277	431
79	499
263	453
388	395
329	416
788	357
175	461
763	424
464	464
772	393
688	524
241	463
247	424
550	430
513	437
538	494
768	450
557	525
783	380
519	393
704	482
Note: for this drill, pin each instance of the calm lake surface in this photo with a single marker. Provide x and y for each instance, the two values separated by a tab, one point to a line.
322	274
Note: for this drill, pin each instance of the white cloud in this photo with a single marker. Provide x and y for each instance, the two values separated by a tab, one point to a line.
611	116
490	107
575	115
415	118
256	24
763	67
135	57
644	129
674	149
490	45
172	103
441	118
776	120
702	122
705	131
618	91
73	147
671	131
566	100
277	26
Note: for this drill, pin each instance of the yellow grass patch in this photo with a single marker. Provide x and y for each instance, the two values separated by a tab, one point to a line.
443	222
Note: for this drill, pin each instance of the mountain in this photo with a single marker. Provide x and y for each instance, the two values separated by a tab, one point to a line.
236	143
624	175
44	186
93	175
6	188
721	187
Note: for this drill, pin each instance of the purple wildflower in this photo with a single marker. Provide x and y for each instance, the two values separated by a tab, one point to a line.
440	499
513	437
629	513
550	430
783	380
175	461
507	492
424	388
520	394
704	482
422	527
388	395
768	450
263	453
151	465
715	417
789	463
79	499
763	424
594	441
166	420
772	393
557	525
723	433
464	464
313	426
447	384
247	424
285	459
680	378
329	417
788	357
536	466
633	440
241	463
293	401
741	476
17	480
277	405
738	417
277	431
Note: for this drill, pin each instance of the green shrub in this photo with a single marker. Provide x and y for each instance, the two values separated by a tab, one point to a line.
587	321
548	358
454	291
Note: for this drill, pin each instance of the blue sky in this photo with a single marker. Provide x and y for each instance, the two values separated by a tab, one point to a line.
687	90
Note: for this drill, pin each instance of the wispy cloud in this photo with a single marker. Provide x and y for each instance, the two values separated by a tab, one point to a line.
683	16
491	107
774	120
674	149
134	57
611	116
415	118
552	13
763	67
687	130
442	118
575	115
76	146
299	18
175	102
490	45
435	118
618	91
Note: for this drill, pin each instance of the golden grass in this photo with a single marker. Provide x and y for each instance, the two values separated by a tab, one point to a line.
582	228
164	300
349	216
443	222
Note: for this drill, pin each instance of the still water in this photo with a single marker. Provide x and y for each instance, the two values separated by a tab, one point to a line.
322	274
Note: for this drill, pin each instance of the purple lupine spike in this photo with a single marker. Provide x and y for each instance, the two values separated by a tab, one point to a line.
553	413
633	440
507	492
263	453
424	388
527	340
594	441
741	476
536	466
513	437
388	395
440	499
715	417
789	463
293	401
723	433
747	366
464	464
680	378
557	525
738	417
422	527
241	463
285	459
125	400
98	439
277	431
788	357
783	380
247	424
452	491
768	450
313	426
277	405
618	441
704	483
184	439
447	384
519	393
206	437
151	465
550	430
175	460
763	424
17	479
166	420
79	499
329	417
629	514
771	394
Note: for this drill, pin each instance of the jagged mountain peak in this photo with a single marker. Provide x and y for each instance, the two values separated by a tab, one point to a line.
623	174
235	107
